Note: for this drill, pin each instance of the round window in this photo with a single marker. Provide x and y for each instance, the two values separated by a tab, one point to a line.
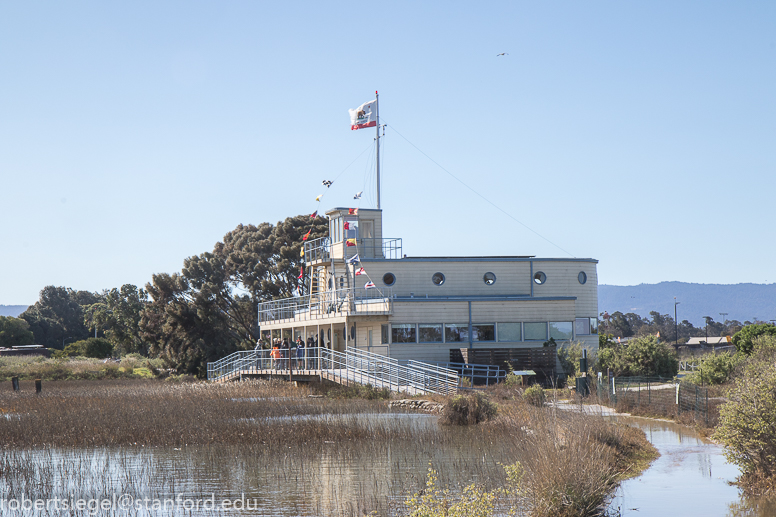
489	278
540	277
438	279
582	277
389	279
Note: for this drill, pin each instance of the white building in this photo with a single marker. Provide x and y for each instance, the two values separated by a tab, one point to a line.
423	307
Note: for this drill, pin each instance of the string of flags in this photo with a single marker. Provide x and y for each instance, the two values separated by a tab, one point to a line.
362	117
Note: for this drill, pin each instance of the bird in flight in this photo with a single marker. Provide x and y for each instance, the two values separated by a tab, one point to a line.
502	54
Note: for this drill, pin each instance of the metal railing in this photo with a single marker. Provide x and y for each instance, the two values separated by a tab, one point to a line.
338	302
476	374
317	249
351	366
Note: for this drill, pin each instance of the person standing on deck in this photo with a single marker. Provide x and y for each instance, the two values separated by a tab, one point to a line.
275	354
309	353
300	364
284	353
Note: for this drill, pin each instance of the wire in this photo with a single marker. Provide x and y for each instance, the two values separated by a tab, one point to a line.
494	205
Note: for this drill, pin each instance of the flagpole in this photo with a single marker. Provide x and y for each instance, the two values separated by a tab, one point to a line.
377	139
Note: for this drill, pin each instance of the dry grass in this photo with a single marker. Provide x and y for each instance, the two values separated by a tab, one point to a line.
79	368
571	460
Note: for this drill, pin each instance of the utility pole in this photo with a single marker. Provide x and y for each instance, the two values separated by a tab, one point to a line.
707	334
676	324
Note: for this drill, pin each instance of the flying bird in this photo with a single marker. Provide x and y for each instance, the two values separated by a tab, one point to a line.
502	54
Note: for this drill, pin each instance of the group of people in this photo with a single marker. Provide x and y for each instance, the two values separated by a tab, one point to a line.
297	355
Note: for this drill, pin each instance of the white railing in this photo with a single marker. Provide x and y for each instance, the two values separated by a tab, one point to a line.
338	302
351	366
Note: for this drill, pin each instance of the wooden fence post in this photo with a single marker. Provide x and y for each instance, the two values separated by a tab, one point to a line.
38	386
15	383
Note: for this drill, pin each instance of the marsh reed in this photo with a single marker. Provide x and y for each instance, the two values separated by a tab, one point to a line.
320	456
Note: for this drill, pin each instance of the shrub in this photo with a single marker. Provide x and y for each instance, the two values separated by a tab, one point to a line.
534	395
644	356
744	338
746	425
435	502
468	409
714	368
94	347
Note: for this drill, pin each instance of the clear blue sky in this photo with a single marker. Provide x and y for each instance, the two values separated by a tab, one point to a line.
135	134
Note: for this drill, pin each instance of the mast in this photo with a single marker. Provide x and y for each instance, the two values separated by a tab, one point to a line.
377	139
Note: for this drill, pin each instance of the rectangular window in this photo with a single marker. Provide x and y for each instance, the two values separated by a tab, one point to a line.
456	333
460	332
430	333
535	331
509	332
562	330
484	332
582	326
594	325
403	333
384	334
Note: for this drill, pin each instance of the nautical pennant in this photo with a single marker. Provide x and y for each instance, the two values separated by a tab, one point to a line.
352	211
351	242
307	235
369	285
360	271
319	197
358	196
314	214
327	183
301	272
353	259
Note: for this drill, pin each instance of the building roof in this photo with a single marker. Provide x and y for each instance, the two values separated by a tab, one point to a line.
722	340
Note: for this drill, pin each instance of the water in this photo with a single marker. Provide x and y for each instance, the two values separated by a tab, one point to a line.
346	478
691	477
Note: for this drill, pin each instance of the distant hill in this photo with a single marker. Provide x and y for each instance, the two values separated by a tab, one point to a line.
12	310
741	301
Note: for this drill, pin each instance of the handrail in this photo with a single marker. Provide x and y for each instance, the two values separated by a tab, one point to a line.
352	300
353	365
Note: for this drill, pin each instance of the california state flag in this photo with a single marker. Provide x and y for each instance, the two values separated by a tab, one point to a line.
364	116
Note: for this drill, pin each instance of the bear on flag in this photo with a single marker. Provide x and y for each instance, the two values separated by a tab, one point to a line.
364	116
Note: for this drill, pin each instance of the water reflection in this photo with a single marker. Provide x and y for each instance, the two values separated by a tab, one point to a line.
347	478
691	477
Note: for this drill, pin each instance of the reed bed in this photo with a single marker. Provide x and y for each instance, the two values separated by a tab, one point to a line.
320	455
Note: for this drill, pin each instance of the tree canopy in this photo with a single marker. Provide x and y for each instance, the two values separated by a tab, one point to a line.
58	315
210	309
15	332
744	339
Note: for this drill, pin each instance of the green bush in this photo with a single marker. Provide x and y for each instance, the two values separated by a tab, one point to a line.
468	410
534	395
94	347
747	426
744	338
643	356
714	368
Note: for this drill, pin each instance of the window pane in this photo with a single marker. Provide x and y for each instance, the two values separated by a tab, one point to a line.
403	333
430	333
535	331
582	326
456	333
509	332
483	332
561	330
594	325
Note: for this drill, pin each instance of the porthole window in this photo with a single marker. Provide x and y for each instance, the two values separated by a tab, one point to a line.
540	277
489	278
389	279
582	277
438	279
